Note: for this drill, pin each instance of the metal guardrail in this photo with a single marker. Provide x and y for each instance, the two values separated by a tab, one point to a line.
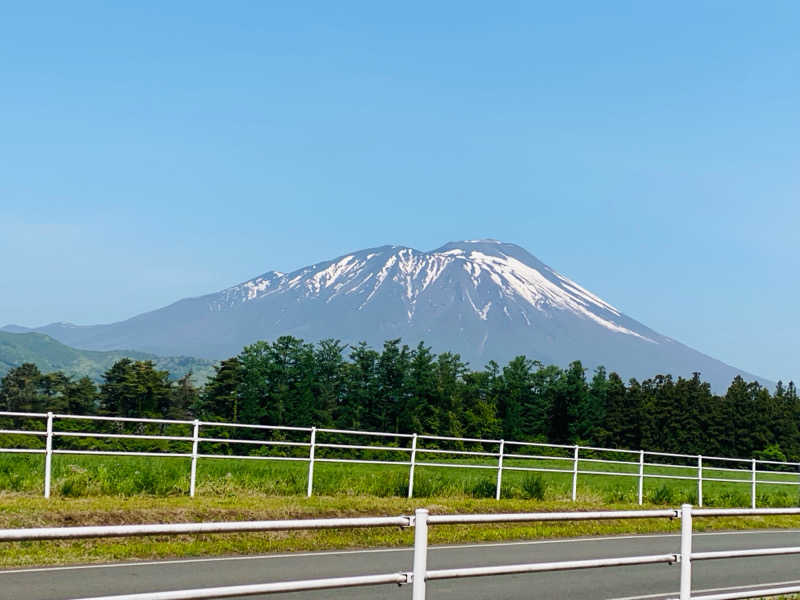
510	455
420	575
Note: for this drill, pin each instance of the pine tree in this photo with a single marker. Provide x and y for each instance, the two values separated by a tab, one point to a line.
569	395
516	404
329	380
20	389
119	390
589	411
185	398
479	416
420	413
392	394
220	397
361	388
450	372
81	397
740	416
618	418
253	385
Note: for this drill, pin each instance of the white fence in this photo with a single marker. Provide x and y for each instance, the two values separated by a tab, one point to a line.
420	574
318	445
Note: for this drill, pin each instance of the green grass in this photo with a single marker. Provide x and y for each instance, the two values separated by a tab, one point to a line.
111	490
24	511
85	476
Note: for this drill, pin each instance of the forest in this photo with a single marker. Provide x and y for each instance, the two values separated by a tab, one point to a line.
406	389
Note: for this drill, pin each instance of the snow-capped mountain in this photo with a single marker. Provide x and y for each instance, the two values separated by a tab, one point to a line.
482	298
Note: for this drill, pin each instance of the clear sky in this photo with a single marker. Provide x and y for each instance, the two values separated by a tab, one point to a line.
651	151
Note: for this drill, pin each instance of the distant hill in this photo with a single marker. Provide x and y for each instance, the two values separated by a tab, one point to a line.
51	355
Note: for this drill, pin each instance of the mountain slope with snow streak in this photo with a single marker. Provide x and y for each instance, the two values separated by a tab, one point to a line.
484	299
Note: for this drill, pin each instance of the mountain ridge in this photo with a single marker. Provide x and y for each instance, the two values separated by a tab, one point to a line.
485	299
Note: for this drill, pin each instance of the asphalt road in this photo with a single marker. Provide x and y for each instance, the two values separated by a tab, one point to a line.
650	582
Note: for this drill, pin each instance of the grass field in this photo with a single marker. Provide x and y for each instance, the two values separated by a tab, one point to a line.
21	510
85	476
90	490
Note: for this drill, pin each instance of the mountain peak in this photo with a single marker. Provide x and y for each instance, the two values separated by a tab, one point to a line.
483	298
470	244
495	248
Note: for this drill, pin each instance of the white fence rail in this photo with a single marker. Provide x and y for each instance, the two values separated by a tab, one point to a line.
325	445
420	575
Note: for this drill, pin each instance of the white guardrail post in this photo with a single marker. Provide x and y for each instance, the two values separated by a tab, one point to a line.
420	566
753	486
686	552
575	474
311	462
499	471
413	462
700	480
195	444
48	456
641	475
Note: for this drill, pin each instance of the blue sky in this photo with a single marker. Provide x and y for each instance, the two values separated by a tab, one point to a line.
152	151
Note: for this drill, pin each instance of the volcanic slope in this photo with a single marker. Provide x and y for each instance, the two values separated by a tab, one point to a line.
484	299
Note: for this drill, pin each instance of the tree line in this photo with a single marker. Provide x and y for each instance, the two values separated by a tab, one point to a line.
402	389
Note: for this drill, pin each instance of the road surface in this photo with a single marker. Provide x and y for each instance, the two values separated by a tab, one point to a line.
650	582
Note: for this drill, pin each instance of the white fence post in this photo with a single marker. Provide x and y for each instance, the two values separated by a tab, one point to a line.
575	474
48	456
195	444
700	480
420	554
195	439
311	461
641	475
499	471
413	462
686	552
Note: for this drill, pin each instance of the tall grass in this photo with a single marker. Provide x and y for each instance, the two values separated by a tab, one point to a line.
84	476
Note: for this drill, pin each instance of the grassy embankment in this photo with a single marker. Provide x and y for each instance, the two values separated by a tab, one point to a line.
111	490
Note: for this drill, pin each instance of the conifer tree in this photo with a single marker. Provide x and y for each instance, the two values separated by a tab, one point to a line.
516	401
569	395
220	397
328	380
361	388
392	380
20	389
420	412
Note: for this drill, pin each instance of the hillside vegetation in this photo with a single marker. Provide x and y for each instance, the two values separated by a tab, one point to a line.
50	355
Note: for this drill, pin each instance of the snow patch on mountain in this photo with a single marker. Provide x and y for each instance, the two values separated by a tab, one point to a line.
485	299
491	268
